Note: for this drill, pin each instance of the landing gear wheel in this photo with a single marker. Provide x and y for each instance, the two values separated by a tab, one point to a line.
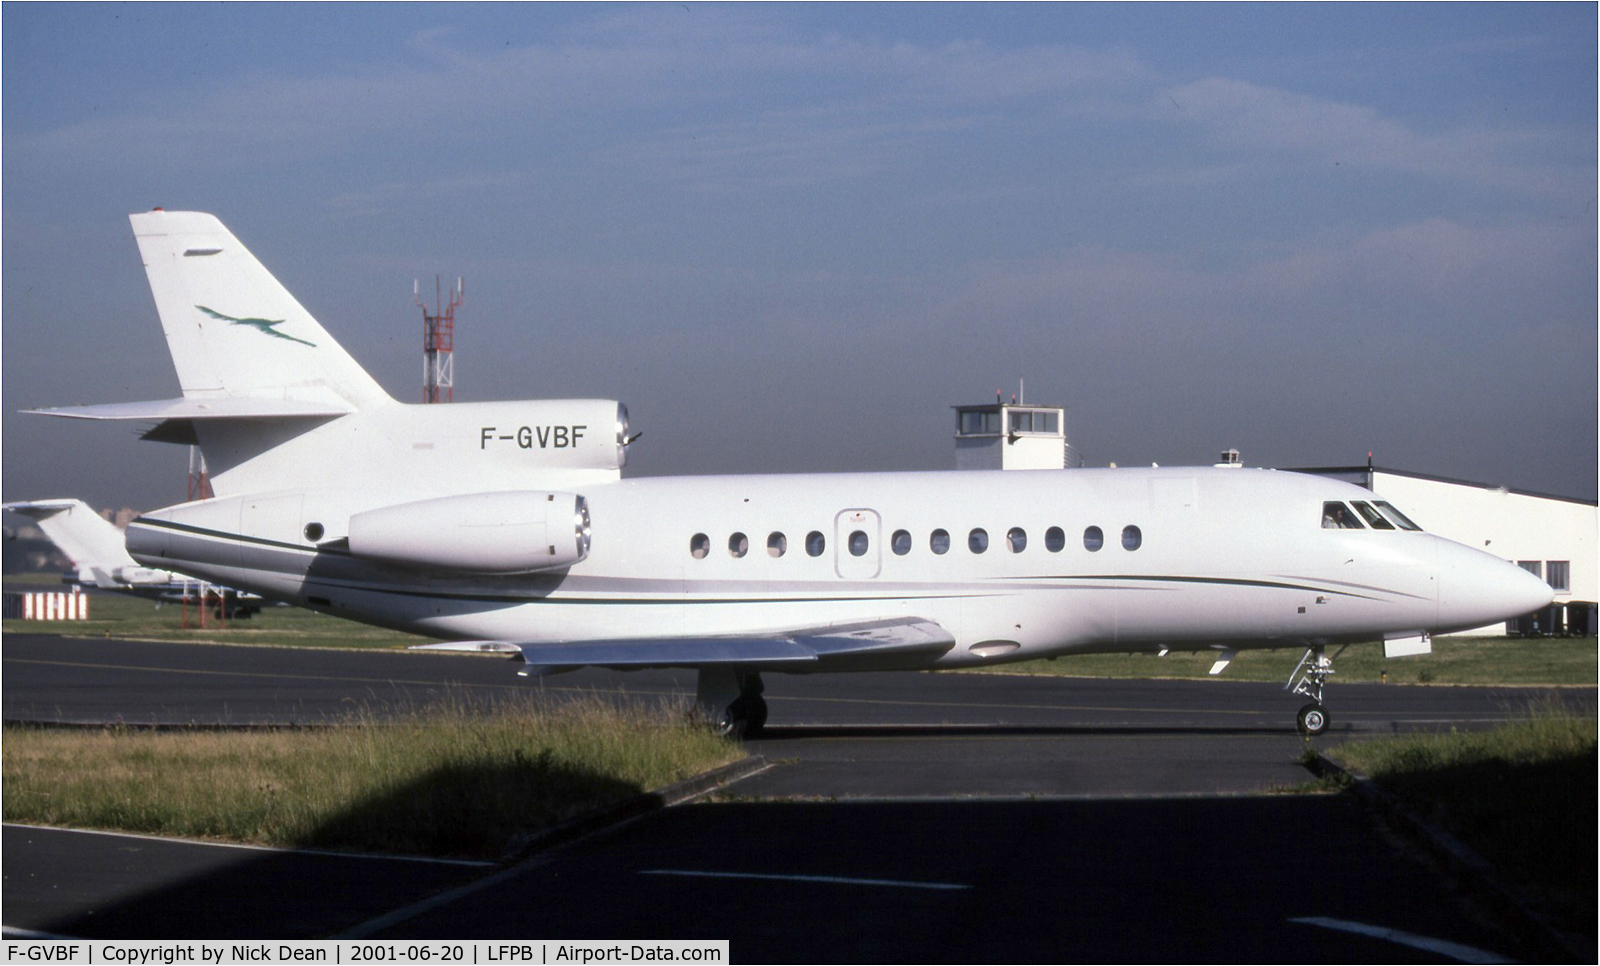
757	717
1312	720
730	723
743	718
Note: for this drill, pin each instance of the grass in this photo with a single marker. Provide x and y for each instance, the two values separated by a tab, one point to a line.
1522	795
126	616
454	779
1455	660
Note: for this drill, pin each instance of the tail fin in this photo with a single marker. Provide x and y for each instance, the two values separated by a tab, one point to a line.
234	332
88	540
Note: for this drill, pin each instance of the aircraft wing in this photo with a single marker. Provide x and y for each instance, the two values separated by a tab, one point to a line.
794	649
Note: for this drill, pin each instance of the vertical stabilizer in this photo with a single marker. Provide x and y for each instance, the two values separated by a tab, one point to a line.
232	329
87	538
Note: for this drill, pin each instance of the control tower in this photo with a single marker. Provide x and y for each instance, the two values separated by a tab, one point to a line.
1013	436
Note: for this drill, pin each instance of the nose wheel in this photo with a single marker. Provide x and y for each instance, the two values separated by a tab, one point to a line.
1309	678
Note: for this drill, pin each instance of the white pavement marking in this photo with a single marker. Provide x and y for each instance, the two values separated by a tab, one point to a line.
1456	951
211	843
830	879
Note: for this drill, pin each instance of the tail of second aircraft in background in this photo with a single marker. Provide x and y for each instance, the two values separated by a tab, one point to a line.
93	545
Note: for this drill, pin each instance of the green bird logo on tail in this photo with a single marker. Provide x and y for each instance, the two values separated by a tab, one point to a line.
262	325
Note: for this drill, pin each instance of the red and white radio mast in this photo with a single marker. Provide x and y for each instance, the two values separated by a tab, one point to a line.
438	342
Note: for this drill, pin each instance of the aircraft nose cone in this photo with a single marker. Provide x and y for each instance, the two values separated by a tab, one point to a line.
1476	589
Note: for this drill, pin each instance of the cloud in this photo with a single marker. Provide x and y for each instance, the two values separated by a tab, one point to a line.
1238	116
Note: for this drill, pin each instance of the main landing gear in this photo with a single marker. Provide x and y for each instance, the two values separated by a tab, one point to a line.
1309	678
731	701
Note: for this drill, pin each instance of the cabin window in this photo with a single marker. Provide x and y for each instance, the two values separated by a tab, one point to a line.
1337	516
939	541
777	544
1131	538
857	543
900	543
1017	539
699	546
313	532
738	545
1374	519
815	544
1054	539
1093	539
978	540
1400	519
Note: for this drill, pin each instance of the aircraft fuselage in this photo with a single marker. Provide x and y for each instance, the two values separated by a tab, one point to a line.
1014	565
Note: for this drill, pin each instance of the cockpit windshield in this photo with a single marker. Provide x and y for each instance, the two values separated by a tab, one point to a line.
1400	519
1378	514
1337	516
1374	519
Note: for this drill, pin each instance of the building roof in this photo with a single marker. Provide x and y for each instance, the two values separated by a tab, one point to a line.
1364	468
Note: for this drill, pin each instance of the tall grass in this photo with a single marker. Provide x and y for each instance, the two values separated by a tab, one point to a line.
1521	794
455	778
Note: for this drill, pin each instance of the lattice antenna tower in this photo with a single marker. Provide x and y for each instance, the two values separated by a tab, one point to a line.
438	341
199	476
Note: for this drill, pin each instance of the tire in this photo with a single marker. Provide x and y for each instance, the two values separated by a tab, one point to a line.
757	719
1312	720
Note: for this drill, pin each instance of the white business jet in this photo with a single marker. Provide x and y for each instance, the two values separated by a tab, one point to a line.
100	559
509	524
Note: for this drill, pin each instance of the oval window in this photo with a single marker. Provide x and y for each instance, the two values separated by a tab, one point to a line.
1131	538
1017	539
900	543
1093	539
857	543
699	546
314	532
939	541
1054	539
738	545
815	544
777	544
978	540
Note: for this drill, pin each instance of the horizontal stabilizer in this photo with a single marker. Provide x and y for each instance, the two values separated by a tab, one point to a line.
200	407
777	650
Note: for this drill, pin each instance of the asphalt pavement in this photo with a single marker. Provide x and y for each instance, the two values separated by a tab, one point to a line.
904	817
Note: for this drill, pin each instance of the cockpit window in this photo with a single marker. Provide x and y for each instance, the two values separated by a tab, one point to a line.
1374	519
1400	519
1337	516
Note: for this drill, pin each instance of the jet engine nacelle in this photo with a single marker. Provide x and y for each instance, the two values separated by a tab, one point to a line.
512	532
141	575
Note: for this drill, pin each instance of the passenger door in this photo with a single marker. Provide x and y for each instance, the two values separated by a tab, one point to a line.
857	544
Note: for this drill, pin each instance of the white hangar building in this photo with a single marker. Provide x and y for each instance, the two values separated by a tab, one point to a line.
1551	536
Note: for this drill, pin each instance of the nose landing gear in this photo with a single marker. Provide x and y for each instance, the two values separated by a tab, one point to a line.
1309	678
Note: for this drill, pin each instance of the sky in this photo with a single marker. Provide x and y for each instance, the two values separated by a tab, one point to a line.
791	237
